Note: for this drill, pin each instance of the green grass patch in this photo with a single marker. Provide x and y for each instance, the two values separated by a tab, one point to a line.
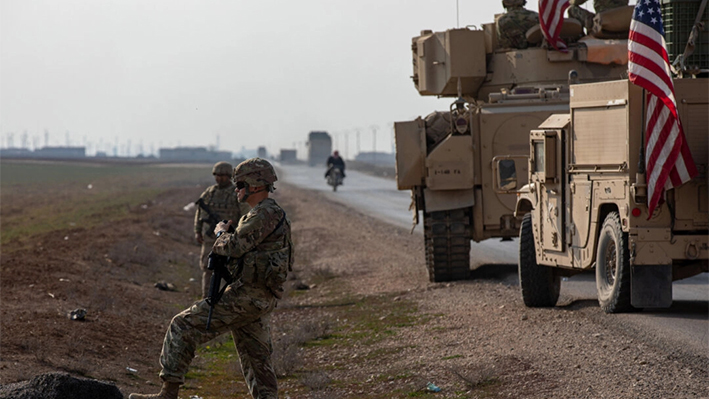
84	212
328	340
41	197
14	174
221	348
217	354
378	318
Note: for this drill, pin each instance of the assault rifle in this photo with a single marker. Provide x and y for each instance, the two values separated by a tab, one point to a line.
213	218
217	264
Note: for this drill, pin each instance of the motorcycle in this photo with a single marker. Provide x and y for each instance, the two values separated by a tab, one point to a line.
334	178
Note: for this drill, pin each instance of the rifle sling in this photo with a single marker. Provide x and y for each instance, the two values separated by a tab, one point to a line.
213	217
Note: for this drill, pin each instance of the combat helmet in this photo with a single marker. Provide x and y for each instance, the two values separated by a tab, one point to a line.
513	3
255	172
222	168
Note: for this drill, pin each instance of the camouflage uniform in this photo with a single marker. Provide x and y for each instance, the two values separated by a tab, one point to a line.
221	201
263	248
585	16
512	26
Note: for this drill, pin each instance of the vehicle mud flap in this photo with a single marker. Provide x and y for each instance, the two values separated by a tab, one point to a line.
651	286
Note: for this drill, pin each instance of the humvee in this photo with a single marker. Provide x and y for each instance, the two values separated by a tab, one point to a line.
585	204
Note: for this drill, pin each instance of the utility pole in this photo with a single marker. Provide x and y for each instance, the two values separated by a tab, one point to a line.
347	149
374	143
357	143
374	139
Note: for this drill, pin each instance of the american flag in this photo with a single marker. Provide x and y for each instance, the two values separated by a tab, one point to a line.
668	161
551	18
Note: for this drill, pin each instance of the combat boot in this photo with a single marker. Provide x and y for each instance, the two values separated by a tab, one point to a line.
169	391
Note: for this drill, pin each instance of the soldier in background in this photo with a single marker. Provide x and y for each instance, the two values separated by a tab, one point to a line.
262	254
586	17
220	200
513	25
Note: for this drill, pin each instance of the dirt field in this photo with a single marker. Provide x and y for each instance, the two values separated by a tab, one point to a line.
361	319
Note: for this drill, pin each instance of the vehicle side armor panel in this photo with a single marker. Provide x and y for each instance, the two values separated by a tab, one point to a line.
410	153
450	165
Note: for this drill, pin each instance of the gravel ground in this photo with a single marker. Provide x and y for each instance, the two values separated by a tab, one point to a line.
475	338
383	330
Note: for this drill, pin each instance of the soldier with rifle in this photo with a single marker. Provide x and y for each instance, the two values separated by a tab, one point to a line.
255	257
218	202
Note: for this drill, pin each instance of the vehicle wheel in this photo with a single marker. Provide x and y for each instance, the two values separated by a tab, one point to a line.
613	267
540	284
447	242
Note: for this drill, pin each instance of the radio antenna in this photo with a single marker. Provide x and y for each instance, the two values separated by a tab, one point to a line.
457	14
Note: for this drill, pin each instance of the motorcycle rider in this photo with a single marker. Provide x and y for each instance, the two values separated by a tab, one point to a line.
335	161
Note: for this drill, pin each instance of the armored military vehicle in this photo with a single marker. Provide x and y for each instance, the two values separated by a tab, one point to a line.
447	158
585	204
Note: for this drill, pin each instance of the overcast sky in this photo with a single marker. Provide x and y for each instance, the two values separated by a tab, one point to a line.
164	73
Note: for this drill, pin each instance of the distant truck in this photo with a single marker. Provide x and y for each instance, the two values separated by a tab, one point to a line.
584	206
319	148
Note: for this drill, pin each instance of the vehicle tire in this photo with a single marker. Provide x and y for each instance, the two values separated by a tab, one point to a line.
447	242
613	267
540	285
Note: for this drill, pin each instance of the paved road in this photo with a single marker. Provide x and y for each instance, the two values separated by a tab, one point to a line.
685	323
379	197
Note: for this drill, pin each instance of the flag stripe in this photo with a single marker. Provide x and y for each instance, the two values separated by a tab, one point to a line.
668	160
658	152
551	19
661	127
649	85
647	50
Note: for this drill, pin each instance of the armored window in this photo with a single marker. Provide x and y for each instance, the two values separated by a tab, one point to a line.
538	160
508	174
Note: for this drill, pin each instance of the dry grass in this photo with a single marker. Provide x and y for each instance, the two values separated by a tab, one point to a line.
287	347
316	381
